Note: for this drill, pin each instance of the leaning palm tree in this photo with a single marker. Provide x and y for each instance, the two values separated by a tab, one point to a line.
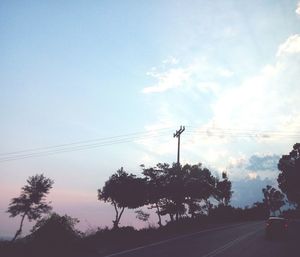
31	203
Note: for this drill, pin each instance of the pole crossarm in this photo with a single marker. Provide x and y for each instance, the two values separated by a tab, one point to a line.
178	132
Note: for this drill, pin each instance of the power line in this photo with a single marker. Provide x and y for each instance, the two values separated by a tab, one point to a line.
249	131
45	151
127	138
212	133
242	132
85	141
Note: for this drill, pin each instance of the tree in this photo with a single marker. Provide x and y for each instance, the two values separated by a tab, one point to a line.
289	177
199	187
31	203
273	199
141	215
175	191
156	187
55	228
55	235
123	190
223	190
173	188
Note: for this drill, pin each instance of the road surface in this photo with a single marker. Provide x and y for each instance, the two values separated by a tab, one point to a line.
237	240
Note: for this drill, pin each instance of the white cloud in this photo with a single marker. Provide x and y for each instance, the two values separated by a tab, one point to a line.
298	8
225	72
161	141
252	175
172	78
171	60
198	74
263	101
290	46
267	101
209	87
238	162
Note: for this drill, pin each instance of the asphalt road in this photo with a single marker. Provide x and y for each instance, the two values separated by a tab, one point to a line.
238	240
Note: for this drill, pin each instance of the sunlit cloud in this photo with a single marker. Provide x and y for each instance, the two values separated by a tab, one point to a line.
225	72
187	76
209	87
170	79
290	46
298	8
238	162
171	60
252	175
266	101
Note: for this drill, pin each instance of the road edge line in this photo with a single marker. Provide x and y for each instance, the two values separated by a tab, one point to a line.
172	239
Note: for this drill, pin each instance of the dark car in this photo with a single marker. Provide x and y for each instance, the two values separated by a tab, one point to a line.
276	227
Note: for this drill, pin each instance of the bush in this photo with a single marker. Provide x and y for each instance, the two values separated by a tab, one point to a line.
54	234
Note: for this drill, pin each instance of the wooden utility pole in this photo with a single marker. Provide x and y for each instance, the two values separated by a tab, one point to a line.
177	134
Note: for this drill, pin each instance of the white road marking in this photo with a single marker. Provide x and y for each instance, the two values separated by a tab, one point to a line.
173	239
229	244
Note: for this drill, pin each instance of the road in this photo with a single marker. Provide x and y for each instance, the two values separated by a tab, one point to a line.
245	239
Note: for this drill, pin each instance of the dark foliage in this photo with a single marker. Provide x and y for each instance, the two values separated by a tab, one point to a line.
177	191
223	190
52	236
55	229
31	203
273	199
123	190
289	177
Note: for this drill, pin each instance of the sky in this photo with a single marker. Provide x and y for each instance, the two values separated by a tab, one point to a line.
107	83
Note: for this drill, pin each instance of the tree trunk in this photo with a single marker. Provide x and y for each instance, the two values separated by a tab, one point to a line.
20	228
118	216
115	222
159	217
171	217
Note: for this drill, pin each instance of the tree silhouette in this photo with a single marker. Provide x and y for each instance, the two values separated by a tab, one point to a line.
155	179
166	192
141	215
173	189
123	190
199	187
31	202
273	199
289	178
223	191
55	235
55	228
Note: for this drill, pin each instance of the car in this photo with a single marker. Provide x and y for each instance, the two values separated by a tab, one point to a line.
276	227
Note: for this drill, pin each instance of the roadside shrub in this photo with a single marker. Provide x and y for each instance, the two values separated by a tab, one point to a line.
54	235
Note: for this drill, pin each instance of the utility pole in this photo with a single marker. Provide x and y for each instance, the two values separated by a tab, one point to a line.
177	134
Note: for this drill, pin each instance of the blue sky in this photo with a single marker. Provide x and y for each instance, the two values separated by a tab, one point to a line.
75	70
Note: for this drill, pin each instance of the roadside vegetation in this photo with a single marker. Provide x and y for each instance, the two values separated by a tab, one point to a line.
190	197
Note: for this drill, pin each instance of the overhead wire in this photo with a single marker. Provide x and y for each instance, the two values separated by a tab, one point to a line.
80	145
131	137
241	132
86	141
